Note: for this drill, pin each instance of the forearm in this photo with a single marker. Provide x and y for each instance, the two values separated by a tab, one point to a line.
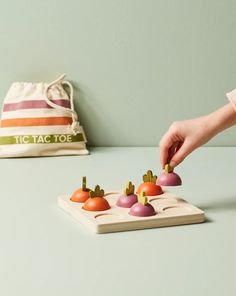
221	119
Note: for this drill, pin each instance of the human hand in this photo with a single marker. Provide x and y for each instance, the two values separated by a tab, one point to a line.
183	137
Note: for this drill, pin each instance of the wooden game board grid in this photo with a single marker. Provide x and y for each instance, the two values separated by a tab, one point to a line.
170	210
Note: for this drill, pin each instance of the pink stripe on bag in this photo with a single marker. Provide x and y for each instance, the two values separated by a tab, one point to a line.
33	104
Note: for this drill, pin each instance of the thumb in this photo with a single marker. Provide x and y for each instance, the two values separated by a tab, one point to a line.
182	153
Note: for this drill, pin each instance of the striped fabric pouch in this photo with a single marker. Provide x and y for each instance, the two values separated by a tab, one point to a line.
38	119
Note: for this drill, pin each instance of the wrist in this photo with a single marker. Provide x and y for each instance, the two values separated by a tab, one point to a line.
211	125
221	119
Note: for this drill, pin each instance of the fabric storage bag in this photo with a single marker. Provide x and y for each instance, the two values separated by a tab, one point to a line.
38	119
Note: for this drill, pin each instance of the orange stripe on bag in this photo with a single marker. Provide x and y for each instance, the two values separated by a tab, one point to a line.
40	121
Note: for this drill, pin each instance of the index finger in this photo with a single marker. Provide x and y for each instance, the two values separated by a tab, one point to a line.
165	144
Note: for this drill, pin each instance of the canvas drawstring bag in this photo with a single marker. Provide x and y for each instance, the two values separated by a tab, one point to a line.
38	119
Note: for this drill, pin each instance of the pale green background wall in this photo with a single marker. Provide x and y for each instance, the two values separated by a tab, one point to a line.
139	64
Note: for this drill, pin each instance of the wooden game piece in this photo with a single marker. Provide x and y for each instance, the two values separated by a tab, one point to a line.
149	186
142	198
98	192
168	177
82	194
128	198
168	168
84	184
149	177
96	201
129	189
142	208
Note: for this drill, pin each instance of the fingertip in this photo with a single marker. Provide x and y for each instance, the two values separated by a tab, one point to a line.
162	165
164	146
161	161
173	163
163	157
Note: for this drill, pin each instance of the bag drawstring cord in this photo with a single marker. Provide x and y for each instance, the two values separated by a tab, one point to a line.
75	123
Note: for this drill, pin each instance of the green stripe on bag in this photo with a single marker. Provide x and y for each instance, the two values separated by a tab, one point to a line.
41	139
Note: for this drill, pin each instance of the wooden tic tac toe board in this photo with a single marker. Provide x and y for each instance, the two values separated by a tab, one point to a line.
170	210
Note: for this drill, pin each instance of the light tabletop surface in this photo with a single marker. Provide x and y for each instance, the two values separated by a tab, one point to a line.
45	252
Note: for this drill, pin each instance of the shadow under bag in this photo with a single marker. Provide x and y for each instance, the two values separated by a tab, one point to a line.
38	119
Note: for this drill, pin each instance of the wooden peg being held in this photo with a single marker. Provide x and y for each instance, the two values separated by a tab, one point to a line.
168	177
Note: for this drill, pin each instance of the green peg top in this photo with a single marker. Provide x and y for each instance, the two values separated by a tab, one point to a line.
84	188
142	198
149	177
168	168
98	192
129	189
